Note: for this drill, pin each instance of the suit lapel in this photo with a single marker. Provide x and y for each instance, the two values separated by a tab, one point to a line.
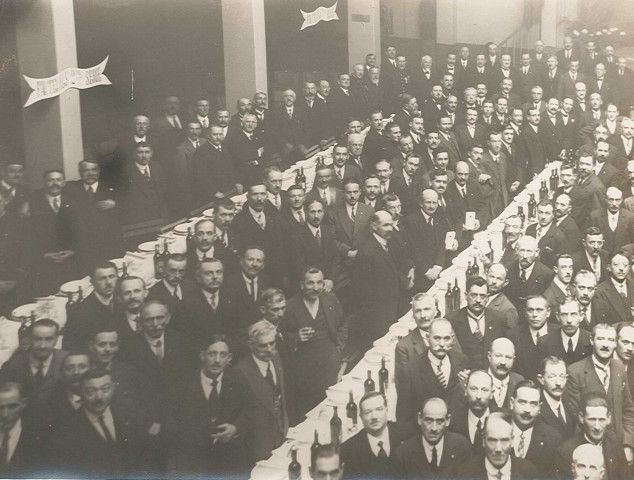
346	221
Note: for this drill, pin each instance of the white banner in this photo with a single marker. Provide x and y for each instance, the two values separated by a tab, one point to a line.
322	13
72	77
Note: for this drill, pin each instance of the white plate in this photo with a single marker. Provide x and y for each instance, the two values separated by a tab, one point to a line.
399	330
374	358
209	213
24	311
182	229
147	247
73	286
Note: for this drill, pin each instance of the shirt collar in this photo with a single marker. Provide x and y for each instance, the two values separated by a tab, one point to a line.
209	381
381	241
552	402
492	471
499	383
313	229
93	187
154	342
575	339
383	437
103	300
262	366
564	288
46	364
529	270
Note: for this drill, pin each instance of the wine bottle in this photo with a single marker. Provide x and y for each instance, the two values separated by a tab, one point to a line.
554	180
294	468
368	385
448	299
532	207
351	411
557	178
158	268
313	449
520	213
384	377
335	428
455	291
490	254
124	271
543	191
437	309
80	294
469	272
189	241
475	270
71	300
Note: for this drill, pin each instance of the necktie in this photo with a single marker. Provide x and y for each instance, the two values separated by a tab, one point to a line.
477	332
430	222
205	122
497	394
571	349
107	433
4	449
260	220
382	453
339	174
137	324
477	437
440	375
318	237
56	204
434	458
499	475
213	301
302	220
219	148
90	192
604	380
175	294
408	181
522	275
175	123
584	315
269	378
352	213
146	173
254	295
537	335
560	414
622	290
196	144
521	446
39	373
277	202
158	351
213	398
324	197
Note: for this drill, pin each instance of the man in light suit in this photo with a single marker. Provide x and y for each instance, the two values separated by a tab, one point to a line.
600	372
267	382
315	329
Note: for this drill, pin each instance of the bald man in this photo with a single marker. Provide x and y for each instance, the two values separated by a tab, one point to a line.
588	463
616	223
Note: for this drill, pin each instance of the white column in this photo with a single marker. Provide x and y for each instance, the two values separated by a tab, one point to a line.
46	44
364	30
244	49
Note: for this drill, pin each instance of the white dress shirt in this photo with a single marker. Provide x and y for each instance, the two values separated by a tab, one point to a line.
493	472
445	365
374	442
263	367
207	384
157	345
429	447
108	420
528	433
472	421
500	388
565	338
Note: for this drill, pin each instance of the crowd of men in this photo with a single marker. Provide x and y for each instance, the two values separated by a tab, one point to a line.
203	372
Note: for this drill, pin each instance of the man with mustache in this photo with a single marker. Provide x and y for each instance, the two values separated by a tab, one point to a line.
592	309
437	452
617	292
625	349
554	411
371	452
501	358
533	439
600	372
592	256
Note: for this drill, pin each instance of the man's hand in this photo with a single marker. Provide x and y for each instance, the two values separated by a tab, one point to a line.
305	333
104	205
219	195
225	433
454	246
155	429
410	278
514	186
328	285
352	254
629	455
7	285
433	272
51	257
484	178
463	375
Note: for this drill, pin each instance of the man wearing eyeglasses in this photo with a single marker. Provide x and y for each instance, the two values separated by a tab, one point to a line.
498	463
103	438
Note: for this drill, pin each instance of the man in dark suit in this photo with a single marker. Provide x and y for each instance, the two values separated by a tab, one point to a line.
426	230
12	185
500	358
268	384
144	190
169	126
568	80
214	173
528	76
498	442
372	451
532	144
533	439
313	244
290	129
475	326
97	308
617	292
342	169
593	310
179	168
469	133
561	286
616	224
435	373
494	165
550	240
104	437
552	132
552	76
96	211
38	369
373	142
23	456
294	216
325	187
210	309
607	173
527	275
496	278
597	419
173	289
315	329
216	412
52	241
604	85
554	411
569	342
566	224
601	372
243	106
277	199
256	226
248	152
408	109
438	452
525	336
406	182
376	281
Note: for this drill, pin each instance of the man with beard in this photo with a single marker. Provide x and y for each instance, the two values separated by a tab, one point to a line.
315	328
560	288
526	336
566	224
498	461
554	411
617	292
600	372
597	422
374	139
438	452
569	342
533	439
436	373
371	452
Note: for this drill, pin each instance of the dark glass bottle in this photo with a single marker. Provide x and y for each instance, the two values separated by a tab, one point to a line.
448	299
80	294
69	303
368	385
351	410
335	428
189	241
300	178
294	468
158	259
490	254
124	271
384	377
469	272
475	270
543	191
532	206
520	213
313	449
455	291
554	180
437	309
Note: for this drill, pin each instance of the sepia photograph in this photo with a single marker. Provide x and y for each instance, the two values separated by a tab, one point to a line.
317	239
